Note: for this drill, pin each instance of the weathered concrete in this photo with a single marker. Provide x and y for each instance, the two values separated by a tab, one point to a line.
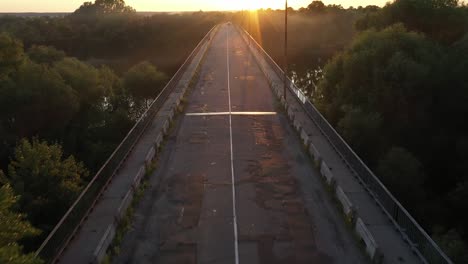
94	236
392	245
283	213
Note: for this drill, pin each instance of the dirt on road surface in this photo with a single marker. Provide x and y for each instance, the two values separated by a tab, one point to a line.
233	184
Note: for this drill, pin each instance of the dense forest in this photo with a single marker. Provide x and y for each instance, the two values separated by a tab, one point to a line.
394	82
71	88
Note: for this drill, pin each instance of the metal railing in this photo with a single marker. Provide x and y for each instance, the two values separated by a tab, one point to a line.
66	229
420	242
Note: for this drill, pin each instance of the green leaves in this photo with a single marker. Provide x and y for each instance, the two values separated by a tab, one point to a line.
11	54
444	21
12	254
402	171
45	54
362	131
101	7
33	100
14	227
46	182
144	82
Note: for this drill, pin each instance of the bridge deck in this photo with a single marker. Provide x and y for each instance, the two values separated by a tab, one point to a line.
236	188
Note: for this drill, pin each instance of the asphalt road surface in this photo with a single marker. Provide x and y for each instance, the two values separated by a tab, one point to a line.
233	184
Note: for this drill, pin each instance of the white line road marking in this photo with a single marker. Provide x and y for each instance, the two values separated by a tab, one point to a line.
236	245
232	113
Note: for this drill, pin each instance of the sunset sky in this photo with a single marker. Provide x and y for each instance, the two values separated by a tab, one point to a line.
171	5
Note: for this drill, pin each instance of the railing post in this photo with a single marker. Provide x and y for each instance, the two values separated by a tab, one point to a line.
285	50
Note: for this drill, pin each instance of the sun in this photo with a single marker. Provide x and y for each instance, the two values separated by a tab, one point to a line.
251	4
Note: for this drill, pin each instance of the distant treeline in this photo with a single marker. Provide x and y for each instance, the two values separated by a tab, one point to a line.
395	85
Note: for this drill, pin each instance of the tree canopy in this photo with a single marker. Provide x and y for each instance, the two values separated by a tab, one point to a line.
398	95
101	7
37	166
144	82
442	20
14	228
69	93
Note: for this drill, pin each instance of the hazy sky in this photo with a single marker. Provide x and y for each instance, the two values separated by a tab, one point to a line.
170	5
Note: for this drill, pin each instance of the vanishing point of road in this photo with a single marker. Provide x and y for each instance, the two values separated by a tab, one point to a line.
233	184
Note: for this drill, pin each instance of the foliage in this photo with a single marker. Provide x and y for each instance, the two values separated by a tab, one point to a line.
11	54
385	72
362	130
37	166
29	101
408	65
442	20
14	228
316	7
100	7
118	40
45	55
81	104
452	243
144	81
402	171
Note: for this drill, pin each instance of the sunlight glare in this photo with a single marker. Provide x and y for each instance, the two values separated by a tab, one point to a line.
251	4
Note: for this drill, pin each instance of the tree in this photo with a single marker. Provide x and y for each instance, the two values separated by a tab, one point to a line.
11	54
13	229
402	171
316	7
83	78
45	54
363	131
100	7
46	182
385	72
442	20
144	82
452	244
30	100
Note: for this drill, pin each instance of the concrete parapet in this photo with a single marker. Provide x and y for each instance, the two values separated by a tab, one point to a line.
127	200
365	235
291	114
165	128
106	240
314	153
150	156
159	140
138	177
326	172
348	207
297	125
305	137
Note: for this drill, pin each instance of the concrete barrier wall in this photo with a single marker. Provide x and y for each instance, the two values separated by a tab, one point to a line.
159	140
174	101
361	229
326	172
165	128
127	200
348	207
365	235
314	153
150	156
139	177
297	125
305	137
104	244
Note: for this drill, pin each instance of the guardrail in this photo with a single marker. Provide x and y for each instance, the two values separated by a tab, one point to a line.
420	242
65	230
